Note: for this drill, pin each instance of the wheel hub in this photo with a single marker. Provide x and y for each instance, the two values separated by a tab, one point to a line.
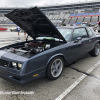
56	67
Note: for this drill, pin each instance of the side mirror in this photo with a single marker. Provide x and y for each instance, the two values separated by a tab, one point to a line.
78	39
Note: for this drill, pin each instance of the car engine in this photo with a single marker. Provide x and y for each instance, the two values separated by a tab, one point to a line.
29	49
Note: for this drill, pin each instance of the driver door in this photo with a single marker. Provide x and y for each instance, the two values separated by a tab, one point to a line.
78	43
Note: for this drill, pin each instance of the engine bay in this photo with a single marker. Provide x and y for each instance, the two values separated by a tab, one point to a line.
28	49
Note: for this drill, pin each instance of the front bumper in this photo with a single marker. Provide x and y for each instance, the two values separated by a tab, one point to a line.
17	76
18	79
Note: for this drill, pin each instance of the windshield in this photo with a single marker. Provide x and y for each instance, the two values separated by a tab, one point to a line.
66	33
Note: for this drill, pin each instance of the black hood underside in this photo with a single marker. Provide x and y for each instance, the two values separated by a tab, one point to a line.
34	23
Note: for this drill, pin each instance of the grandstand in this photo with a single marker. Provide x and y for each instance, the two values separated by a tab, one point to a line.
79	12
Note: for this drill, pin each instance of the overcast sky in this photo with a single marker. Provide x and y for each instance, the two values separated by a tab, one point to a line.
30	3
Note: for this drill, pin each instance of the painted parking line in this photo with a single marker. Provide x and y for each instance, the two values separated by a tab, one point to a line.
69	89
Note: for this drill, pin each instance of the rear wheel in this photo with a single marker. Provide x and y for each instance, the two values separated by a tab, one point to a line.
96	50
55	68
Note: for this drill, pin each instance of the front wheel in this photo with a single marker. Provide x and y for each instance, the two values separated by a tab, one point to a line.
96	50
55	68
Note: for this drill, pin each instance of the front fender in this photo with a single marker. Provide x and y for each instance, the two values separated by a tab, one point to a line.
60	54
97	42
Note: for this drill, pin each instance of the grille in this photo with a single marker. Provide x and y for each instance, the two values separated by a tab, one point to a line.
4	63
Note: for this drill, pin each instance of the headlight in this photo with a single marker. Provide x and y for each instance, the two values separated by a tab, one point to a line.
16	65
19	65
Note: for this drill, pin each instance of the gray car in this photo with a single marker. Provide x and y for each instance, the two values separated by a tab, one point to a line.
50	50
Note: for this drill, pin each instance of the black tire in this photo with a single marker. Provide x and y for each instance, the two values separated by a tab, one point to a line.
95	51
59	64
99	30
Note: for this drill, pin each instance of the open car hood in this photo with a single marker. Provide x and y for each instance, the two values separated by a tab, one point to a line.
34	23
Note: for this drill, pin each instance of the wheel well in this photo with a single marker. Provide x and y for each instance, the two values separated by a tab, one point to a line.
99	42
53	58
57	56
63	59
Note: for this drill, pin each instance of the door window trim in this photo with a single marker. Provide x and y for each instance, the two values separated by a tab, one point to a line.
79	28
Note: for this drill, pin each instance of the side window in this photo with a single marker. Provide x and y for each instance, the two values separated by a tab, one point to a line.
79	32
90	32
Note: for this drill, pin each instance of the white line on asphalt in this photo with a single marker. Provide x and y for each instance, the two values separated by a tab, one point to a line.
69	89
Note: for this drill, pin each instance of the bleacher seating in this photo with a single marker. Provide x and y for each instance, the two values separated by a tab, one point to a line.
69	18
79	15
1	18
98	14
61	16
5	20
72	15
94	19
91	14
51	16
85	15
56	16
87	19
73	20
66	21
80	19
66	16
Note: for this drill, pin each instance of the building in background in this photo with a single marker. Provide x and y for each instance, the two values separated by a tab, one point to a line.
68	13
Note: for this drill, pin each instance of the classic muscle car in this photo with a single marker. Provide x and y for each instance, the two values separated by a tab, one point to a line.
50	50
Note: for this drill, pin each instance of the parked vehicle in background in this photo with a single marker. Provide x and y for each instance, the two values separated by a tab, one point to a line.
15	30
3	29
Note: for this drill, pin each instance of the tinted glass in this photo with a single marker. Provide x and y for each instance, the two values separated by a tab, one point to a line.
79	32
90	32
66	33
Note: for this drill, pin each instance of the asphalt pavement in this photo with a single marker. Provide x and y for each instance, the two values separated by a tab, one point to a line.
79	81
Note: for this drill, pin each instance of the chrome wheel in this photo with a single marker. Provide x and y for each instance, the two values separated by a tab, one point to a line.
56	67
97	49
